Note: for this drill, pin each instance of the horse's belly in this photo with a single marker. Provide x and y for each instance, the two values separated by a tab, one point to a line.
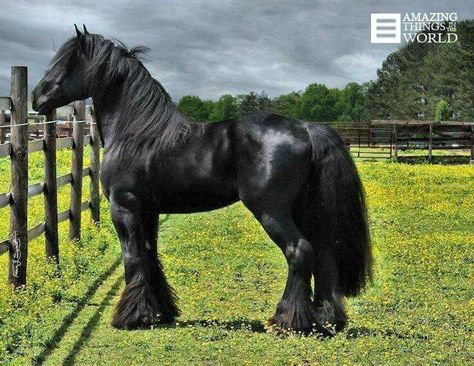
189	201
191	193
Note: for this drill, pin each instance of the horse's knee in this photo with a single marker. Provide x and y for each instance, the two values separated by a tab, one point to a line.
298	251
301	255
131	260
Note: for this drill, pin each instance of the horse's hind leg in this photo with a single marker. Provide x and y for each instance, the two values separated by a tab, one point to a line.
327	299
296	310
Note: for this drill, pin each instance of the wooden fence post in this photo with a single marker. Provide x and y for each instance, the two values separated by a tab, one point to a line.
69	119
358	139
76	170
2	123
471	161
50	189
18	250
395	142
430	143
94	172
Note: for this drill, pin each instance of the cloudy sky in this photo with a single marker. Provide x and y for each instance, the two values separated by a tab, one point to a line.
212	47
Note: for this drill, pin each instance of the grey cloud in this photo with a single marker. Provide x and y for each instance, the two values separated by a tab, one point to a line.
209	48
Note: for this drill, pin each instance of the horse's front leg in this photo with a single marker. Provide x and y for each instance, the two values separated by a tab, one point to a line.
145	293
168	309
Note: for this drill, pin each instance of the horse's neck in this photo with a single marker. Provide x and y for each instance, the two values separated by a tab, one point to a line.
112	113
107	114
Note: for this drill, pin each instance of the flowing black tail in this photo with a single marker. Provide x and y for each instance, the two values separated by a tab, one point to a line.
334	213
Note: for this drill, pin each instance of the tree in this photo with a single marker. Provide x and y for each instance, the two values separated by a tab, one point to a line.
443	111
206	110
264	102
224	108
248	103
194	108
413	79
253	102
463	100
287	105
351	105
318	103
191	106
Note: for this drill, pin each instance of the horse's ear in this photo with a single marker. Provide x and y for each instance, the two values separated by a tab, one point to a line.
78	32
85	29
81	39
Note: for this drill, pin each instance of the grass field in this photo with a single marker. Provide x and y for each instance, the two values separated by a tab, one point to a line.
229	276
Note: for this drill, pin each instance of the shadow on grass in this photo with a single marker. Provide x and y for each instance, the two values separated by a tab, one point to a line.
92	323
255	326
440	159
358	332
68	320
164	218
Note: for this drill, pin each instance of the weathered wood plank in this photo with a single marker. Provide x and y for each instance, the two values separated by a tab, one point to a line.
35	189
471	161
4	246
5	199
5	103
36	231
63	179
51	189
64	142
76	171
419	123
85	205
35	145
94	173
36	117
64	215
5	150
3	121
18	249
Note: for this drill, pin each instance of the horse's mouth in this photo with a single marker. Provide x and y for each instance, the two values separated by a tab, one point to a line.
41	107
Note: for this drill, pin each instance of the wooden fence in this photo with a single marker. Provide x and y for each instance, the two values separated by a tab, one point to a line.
18	149
36	128
397	140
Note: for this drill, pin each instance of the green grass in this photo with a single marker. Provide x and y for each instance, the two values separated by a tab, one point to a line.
229	277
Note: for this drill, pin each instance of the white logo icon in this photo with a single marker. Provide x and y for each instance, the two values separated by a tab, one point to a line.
385	28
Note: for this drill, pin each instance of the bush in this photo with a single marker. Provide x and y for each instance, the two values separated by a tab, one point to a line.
443	112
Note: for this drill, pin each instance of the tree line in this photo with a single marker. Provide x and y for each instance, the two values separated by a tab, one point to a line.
316	103
419	81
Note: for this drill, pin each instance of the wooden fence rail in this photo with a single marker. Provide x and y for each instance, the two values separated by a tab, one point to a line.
18	149
387	139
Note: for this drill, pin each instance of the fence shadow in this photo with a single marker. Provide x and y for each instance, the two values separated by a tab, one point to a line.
58	335
92	323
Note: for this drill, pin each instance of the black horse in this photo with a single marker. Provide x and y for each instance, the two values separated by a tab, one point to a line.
297	179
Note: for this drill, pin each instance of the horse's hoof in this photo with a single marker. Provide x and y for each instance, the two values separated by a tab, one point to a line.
138	323
303	320
331	317
166	320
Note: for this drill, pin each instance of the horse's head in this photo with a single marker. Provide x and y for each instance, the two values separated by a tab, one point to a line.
64	81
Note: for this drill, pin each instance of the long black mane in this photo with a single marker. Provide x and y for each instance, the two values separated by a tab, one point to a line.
147	113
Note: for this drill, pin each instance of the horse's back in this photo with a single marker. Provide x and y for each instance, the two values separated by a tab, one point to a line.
267	132
272	158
